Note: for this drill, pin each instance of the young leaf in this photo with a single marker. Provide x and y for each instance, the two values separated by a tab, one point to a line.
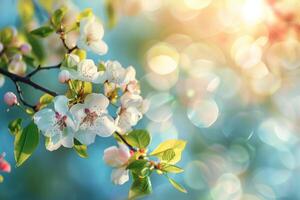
137	165
80	149
57	17
29	60
25	143
169	151
43	31
15	126
177	185
168	155
171	168
1	178
85	13
140	187
45	100
138	138
37	47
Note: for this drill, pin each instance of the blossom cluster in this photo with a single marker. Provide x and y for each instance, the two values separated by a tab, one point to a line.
102	99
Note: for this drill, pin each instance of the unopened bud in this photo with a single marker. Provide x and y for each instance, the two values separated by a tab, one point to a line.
10	99
63	76
17	57
25	48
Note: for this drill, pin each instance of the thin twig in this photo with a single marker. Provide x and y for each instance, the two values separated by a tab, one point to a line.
39	68
20	93
63	39
125	142
26	80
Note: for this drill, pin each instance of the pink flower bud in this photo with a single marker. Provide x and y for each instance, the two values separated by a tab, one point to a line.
4	165
63	76
10	98
25	48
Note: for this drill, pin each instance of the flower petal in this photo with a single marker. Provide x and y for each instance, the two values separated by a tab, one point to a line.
96	102
85	137
44	119
111	157
61	104
105	126
119	176
99	47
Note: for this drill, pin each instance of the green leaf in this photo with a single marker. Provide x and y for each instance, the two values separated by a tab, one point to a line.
29	60
57	17
138	138
25	143
37	47
26	10
80	149
45	100
43	31
140	187
166	150
171	168
85	13
1	179
137	165
15	126
168	155
177	185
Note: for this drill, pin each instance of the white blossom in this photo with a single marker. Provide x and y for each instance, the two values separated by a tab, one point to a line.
115	73
91	34
86	71
133	106
92	118
118	157
57	124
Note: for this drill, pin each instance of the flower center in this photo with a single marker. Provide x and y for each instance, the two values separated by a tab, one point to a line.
90	117
60	121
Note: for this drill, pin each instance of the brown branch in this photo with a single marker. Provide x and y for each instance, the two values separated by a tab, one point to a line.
39	68
20	94
26	80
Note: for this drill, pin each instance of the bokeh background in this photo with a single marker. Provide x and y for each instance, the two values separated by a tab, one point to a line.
221	74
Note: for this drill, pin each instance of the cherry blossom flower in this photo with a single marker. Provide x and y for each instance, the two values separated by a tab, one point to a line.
118	157
91	34
4	165
92	118
57	124
115	73
133	107
86	71
10	99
